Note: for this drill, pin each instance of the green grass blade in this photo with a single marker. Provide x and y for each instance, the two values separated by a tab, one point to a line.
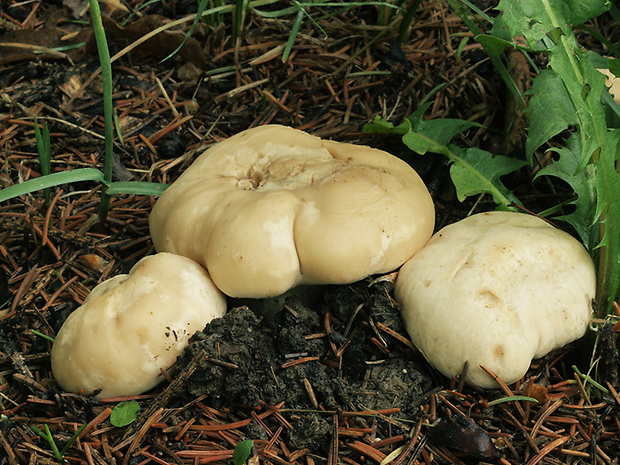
42	336
117	127
239	13
45	154
108	116
73	439
407	20
293	35
47	435
477	11
51	180
202	6
137	188
598	36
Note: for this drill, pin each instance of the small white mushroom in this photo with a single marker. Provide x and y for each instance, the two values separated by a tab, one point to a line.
133	325
273	207
496	289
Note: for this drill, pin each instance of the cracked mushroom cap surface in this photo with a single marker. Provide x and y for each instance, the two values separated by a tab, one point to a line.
496	289
133	325
273	207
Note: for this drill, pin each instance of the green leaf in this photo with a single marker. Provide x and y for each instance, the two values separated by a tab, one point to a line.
534	19
607	185
579	12
51	180
479	172
124	413
473	171
444	130
242	451
493	45
421	144
382	126
549	97
580	180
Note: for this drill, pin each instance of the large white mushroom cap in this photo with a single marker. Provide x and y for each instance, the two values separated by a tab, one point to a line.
133	325
496	289
273	207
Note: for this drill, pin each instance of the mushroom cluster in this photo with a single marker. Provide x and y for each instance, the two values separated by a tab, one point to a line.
496	289
274	207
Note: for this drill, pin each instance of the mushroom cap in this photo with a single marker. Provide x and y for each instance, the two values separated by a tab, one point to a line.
273	207
133	325
496	289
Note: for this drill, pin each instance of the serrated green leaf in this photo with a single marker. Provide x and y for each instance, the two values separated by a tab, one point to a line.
124	413
534	19
607	185
579	12
549	96
479	172
521	19
242	451
566	167
473	171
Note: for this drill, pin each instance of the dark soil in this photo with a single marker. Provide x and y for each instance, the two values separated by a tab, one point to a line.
354	366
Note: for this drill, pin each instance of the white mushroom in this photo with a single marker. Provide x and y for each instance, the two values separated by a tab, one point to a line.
273	207
496	289
133	325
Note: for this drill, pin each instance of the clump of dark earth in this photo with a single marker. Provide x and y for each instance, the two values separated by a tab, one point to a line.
347	361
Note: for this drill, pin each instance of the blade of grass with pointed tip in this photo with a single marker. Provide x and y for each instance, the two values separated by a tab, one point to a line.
51	180
202	6
293	35
73	439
